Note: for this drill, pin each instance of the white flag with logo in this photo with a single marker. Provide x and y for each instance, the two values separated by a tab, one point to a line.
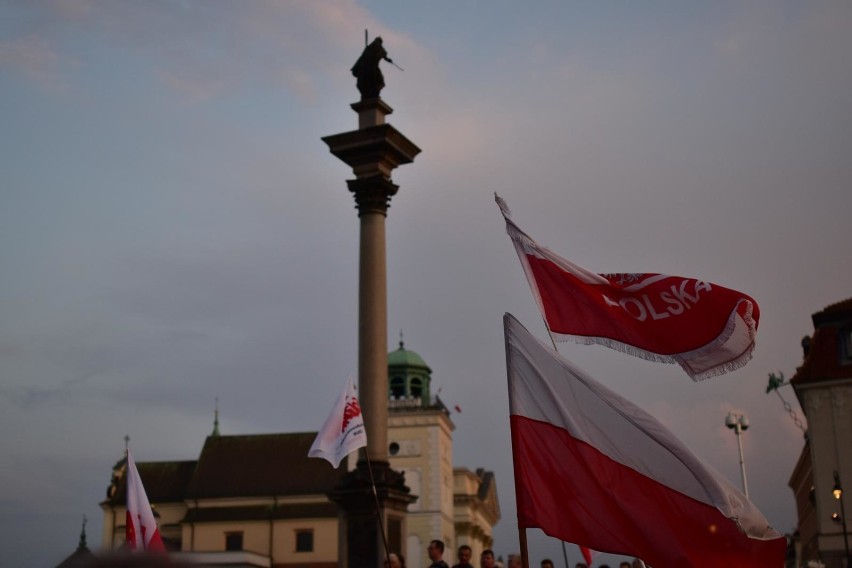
343	431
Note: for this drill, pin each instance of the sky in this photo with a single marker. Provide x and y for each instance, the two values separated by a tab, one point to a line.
175	231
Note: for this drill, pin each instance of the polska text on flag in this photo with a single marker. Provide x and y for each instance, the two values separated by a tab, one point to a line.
343	431
705	328
594	469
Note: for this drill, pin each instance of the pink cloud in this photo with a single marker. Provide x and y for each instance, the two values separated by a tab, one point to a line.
36	58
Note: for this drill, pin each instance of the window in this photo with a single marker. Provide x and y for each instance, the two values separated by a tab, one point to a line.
416	387
234	541
305	540
395	533
397	386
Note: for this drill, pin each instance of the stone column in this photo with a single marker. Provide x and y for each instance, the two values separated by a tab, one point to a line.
372	151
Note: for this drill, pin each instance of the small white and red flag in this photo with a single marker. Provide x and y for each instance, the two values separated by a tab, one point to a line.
594	469
705	328
141	530
343	431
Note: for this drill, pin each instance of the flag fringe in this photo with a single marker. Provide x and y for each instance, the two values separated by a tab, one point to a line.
683	359
737	361
613	344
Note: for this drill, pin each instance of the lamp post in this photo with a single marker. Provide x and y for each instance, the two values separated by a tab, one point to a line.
837	491
739	424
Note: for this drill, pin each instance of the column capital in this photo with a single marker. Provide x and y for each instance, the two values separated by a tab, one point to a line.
372	194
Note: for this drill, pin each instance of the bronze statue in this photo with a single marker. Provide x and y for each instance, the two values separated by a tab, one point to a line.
366	70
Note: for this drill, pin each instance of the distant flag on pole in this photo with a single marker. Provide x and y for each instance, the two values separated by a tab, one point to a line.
141	529
594	469
707	329
587	554
343	431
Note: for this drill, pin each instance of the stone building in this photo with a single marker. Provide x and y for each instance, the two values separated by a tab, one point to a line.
258	500
823	385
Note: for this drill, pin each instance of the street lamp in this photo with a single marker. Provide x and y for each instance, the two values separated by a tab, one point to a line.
837	491
739	424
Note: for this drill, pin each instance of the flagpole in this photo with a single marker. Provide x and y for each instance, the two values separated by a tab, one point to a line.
379	508
522	536
522	532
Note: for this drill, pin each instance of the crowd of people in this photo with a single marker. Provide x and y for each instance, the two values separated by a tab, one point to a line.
486	559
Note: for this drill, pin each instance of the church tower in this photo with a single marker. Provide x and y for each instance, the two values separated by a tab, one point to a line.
420	436
409	377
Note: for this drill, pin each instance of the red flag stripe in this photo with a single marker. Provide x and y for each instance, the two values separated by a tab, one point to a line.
612	508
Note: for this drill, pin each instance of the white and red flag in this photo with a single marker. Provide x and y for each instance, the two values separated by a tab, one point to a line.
141	529
705	328
343	431
594	469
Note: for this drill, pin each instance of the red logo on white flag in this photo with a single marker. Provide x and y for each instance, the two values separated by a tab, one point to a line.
352	410
343	431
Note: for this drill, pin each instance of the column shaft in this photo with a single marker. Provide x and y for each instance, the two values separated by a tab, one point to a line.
372	334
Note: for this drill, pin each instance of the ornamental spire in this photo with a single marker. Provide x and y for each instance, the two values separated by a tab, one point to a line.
82	545
216	419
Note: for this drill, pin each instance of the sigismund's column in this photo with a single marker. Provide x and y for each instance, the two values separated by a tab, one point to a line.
373	151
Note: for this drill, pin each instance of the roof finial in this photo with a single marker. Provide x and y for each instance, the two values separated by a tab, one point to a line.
216	419
82	545
126	444
401	342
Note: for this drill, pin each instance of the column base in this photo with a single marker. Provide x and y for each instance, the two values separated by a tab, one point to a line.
361	543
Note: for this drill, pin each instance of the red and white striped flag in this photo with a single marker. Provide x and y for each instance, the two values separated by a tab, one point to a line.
343	431
705	328
141	529
594	469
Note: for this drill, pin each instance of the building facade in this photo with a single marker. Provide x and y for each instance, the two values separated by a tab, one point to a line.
254	500
823	385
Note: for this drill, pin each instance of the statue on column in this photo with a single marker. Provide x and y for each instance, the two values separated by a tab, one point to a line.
366	70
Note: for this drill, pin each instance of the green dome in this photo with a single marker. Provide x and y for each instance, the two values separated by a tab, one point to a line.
403	357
